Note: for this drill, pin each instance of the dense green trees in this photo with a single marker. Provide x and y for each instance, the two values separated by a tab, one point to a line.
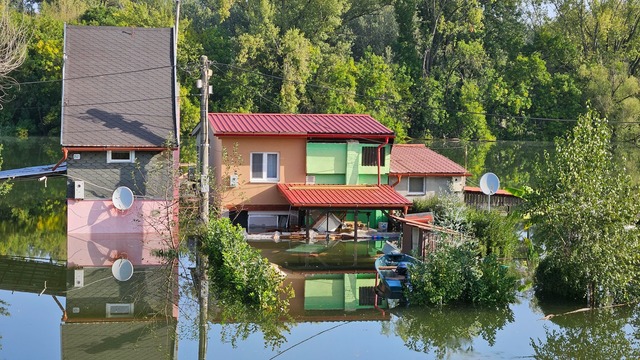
480	69
583	211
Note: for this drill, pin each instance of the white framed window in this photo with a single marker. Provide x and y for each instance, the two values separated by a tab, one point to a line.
416	186
265	167
114	156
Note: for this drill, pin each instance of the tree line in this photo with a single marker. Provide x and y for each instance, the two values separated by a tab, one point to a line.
468	69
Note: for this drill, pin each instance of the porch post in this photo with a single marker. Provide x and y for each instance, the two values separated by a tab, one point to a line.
306	224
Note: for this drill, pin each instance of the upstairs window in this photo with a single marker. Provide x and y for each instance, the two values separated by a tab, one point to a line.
121	156
265	167
416	186
370	156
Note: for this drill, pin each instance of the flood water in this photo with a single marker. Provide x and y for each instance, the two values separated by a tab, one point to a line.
32	225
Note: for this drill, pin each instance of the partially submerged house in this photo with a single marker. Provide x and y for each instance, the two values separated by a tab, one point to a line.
120	143
285	171
418	172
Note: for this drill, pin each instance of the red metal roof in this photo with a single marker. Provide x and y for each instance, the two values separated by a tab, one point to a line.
417	159
343	196
474	189
319	125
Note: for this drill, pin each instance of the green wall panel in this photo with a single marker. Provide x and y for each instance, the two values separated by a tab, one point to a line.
324	158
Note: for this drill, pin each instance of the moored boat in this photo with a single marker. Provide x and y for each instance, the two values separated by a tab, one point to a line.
393	272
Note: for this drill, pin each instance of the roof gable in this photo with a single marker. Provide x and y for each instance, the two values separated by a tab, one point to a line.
310	125
118	87
418	159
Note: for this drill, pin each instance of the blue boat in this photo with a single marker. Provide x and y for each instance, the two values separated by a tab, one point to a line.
393	273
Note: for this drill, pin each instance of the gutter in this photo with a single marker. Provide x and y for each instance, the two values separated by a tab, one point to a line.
386	141
65	154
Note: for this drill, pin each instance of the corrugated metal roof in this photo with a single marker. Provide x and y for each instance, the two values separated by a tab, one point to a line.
475	189
418	159
343	196
118	87
298	124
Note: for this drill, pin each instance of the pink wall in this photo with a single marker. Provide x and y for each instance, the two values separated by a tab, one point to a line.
98	233
100	216
103	249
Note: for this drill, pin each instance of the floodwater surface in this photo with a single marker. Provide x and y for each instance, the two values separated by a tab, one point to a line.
32	225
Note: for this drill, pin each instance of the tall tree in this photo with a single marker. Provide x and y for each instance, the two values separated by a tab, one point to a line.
581	214
13	50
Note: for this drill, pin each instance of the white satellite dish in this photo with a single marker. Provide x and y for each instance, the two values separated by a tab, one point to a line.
122	269
489	183
122	198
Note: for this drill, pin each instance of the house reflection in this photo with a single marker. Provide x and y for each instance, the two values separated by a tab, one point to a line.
335	296
104	317
109	318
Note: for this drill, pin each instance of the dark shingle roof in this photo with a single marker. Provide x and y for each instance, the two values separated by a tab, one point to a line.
118	87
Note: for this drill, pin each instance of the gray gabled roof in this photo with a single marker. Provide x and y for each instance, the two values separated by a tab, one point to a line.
118	87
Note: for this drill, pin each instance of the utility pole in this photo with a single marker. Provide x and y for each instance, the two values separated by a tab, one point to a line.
204	148
202	259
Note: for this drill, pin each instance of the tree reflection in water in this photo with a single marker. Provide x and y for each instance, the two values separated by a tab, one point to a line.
597	334
239	321
446	331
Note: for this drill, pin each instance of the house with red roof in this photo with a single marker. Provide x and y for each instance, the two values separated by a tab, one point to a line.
418	172
282	171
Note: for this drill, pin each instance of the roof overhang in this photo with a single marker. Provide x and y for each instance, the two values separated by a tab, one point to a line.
403	174
304	135
343	196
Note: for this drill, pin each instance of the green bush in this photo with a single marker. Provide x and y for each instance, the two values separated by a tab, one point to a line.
495	232
555	280
238	272
458	275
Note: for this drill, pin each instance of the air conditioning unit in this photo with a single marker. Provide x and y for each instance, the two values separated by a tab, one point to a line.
119	310
310	180
78	190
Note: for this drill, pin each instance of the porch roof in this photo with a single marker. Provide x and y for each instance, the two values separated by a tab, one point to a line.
343	196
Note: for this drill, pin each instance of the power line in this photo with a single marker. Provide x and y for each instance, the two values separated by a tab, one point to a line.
318	86
94	76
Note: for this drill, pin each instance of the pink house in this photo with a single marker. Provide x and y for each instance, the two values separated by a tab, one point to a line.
119	126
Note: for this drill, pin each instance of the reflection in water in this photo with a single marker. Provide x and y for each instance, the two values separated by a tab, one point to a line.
596	334
447	331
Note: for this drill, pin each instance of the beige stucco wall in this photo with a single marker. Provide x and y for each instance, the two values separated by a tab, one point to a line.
434	186
292	153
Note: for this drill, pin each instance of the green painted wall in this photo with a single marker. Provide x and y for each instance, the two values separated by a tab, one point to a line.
340	164
324	293
335	179
373	179
353	163
336	291
326	159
